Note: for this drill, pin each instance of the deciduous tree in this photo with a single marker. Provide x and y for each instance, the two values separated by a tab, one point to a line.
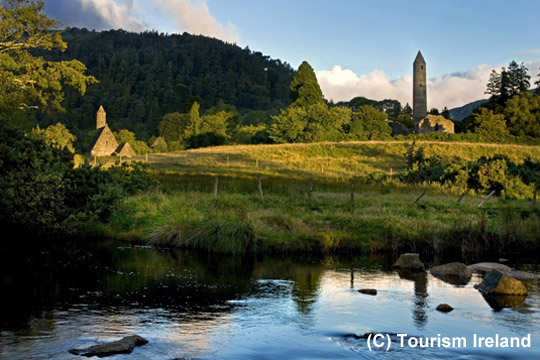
30	81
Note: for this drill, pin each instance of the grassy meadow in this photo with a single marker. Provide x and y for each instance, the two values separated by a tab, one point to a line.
183	212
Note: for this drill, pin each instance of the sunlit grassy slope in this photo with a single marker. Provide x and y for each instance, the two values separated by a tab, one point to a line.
183	211
337	161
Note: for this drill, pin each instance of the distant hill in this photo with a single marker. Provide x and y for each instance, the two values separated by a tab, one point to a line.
144	76
460	113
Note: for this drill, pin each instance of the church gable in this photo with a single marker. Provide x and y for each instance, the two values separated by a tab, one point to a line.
125	150
103	144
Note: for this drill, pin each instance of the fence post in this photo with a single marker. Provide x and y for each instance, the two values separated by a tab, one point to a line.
460	198
257	163
215	186
352	197
260	187
227	160
534	196
486	198
310	188
419	197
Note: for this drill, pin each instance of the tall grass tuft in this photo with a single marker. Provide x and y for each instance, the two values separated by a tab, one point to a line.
218	232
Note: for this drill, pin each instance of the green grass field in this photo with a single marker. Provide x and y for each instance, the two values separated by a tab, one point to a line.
184	213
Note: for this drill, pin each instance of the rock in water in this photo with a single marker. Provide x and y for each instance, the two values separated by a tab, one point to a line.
409	261
455	273
488	266
368	291
122	346
521	275
444	308
496	283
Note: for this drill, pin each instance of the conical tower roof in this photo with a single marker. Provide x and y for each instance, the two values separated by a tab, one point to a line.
419	58
101	109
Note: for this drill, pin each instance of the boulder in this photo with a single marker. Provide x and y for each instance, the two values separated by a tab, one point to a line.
455	273
496	283
409	261
485	267
122	346
520	275
444	308
368	291
499	302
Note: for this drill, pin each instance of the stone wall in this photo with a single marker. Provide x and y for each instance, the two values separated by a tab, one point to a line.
432	123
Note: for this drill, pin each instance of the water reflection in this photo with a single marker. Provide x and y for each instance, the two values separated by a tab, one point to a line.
420	279
203	306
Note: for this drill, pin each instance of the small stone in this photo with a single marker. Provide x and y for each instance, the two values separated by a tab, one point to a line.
368	291
409	261
444	308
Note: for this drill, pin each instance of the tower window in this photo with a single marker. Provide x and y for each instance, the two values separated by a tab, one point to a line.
421	67
420	85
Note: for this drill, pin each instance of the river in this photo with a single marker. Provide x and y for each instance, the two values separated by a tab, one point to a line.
193	306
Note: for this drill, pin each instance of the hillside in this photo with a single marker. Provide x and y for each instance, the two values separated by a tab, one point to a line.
460	113
144	76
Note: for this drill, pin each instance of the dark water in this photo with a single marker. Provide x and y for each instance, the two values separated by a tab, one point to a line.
197	306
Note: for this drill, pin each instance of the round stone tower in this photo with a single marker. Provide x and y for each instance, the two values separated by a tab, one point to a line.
419	88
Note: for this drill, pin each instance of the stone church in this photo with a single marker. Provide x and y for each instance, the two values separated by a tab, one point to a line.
104	143
425	123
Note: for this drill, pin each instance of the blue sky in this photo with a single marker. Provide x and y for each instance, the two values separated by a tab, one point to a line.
357	47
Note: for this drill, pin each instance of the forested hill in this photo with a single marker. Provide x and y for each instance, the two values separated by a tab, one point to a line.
144	76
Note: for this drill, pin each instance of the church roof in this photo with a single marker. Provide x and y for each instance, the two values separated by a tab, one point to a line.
125	150
95	140
419	58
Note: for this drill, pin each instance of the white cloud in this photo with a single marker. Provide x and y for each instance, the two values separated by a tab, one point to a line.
452	90
116	15
192	16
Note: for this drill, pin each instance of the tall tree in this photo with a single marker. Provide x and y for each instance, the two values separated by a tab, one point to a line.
488	124
407	109
30	81
493	87
304	88
445	113
537	83
522	113
519	78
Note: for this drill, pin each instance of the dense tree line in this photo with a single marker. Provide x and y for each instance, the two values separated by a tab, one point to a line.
43	193
512	108
145	76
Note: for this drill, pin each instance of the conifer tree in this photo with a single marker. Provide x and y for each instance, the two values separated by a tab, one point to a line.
304	89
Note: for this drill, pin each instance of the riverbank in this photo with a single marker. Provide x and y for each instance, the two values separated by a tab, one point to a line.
211	199
379	218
